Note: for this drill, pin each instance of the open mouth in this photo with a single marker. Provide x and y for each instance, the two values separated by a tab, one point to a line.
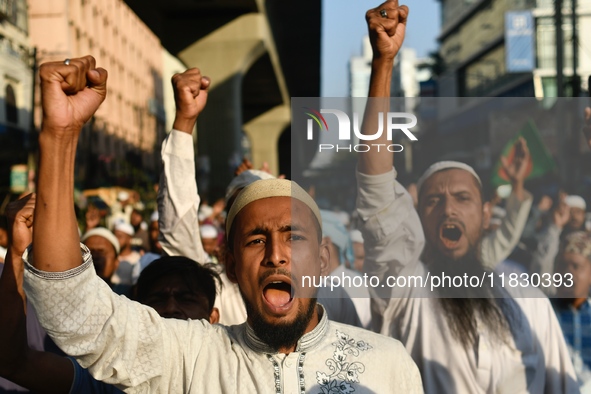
450	234
278	293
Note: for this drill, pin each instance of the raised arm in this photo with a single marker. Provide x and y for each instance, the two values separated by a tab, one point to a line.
542	261
498	245
387	27
178	200
119	341
42	372
390	225
587	127
70	93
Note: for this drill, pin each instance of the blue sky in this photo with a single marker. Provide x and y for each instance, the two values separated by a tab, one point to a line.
343	28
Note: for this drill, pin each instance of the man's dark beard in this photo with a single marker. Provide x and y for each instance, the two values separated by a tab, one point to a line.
284	335
462	306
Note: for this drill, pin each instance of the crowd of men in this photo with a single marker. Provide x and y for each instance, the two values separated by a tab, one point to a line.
209	299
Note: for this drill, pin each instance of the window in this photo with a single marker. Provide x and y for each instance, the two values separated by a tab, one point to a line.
11	108
546	42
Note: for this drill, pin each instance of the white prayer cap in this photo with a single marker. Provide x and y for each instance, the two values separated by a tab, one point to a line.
446	165
123	196
106	234
504	191
244	179
344	217
205	211
575	202
496	221
208	231
124	228
154	217
499	212
333	227
267	188
356	236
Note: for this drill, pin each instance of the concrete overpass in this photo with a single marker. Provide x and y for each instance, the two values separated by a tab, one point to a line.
259	53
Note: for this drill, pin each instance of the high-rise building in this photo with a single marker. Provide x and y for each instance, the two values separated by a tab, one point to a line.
407	73
508	48
128	128
361	70
16	61
258	54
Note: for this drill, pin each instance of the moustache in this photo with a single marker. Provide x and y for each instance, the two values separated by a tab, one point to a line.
276	271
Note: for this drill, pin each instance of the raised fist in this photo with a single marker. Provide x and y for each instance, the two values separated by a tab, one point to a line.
387	27
71	93
190	96
20	222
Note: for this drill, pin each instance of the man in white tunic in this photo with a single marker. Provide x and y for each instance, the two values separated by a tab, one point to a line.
470	341
287	344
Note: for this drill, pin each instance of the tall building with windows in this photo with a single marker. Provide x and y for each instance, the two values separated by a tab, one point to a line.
544	75
15	88
507	48
476	47
407	74
127	130
258	54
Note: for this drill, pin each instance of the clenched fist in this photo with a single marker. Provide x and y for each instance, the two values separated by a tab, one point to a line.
71	94
190	97
387	28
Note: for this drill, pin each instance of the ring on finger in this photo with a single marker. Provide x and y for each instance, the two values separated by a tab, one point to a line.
67	62
383	13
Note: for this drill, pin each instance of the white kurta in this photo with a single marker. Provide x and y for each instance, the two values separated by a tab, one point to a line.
535	360
178	206
498	245
127	344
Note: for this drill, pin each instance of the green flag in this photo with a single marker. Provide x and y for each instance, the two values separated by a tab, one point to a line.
541	162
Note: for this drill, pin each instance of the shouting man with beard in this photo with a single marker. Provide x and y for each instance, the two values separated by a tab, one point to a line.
467	340
274	235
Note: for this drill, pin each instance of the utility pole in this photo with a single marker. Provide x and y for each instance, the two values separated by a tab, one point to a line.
32	136
575	171
33	60
559	48
576	83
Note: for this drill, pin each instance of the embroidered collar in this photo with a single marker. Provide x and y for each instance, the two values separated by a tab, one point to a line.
307	341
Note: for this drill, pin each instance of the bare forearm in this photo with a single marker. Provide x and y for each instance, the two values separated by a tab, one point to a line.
377	162
13	329
44	372
381	77
518	190
55	239
11	281
183	124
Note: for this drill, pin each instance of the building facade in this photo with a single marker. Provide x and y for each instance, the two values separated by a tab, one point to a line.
122	141
16	88
475	50
506	48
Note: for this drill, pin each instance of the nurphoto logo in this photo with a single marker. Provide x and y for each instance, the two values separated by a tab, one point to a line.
393	122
